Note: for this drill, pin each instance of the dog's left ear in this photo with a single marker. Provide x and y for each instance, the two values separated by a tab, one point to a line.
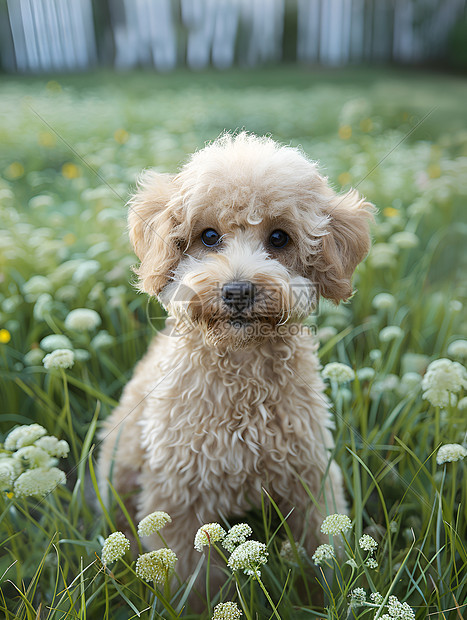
345	245
154	231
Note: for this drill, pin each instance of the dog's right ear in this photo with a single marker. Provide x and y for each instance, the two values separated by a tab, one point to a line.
152	230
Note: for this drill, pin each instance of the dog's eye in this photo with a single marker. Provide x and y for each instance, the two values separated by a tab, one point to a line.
210	237
279	238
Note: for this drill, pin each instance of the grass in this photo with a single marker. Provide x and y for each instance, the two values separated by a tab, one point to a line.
72	147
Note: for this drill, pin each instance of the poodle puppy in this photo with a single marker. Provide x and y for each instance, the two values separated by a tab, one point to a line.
228	400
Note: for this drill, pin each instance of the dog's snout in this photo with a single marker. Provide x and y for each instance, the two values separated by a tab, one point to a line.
238	295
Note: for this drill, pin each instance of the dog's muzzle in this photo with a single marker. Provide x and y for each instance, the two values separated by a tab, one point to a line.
238	295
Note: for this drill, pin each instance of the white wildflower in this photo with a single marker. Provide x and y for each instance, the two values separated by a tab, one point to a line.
366	373
391	332
371	563
9	471
323	553
33	456
377	598
405	239
114	547
383	301
340	373
153	523
82	319
336	524
236	536
367	543
442	379
440	398
248	557
443	374
43	306
357	597
102	340
458	348
383	256
226	611
396	609
81	355
450	452
462	404
40	201
66	293
207	535
53	446
326	333
36	286
289	554
85	270
55	341
39	482
411	380
393	527
60	358
33	357
97	291
409	384
156	565
388	384
375	355
10	304
414	362
23	436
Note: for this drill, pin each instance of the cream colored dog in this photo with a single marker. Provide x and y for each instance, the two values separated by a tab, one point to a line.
229	399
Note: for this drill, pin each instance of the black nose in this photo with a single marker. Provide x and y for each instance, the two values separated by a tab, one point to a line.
238	295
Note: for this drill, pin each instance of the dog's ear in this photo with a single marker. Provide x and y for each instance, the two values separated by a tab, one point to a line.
345	244
152	230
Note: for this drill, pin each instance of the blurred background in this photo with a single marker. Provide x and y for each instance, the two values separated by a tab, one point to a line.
56	35
92	92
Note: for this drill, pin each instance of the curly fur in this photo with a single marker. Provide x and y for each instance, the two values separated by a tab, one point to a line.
219	408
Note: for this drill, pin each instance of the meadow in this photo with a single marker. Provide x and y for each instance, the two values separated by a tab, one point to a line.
71	149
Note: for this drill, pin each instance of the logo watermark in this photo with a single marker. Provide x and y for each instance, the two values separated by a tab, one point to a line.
255	311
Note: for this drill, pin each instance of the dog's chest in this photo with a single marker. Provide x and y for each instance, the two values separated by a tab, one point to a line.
231	416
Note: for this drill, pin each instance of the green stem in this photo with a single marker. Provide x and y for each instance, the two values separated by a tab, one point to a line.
68	415
266	594
208	598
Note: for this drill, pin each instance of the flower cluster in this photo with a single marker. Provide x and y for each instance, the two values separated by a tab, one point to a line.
114	547
383	301
323	553
153	523
442	379
60	358
396	609
226	611
391	332
367	543
450	452
27	463
357	597
208	534
336	524
82	319
156	565
291	553
339	373
236	536
249	557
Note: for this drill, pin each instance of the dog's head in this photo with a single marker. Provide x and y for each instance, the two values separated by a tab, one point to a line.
245	238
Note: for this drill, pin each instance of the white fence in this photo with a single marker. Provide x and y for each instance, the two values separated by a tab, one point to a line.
64	35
